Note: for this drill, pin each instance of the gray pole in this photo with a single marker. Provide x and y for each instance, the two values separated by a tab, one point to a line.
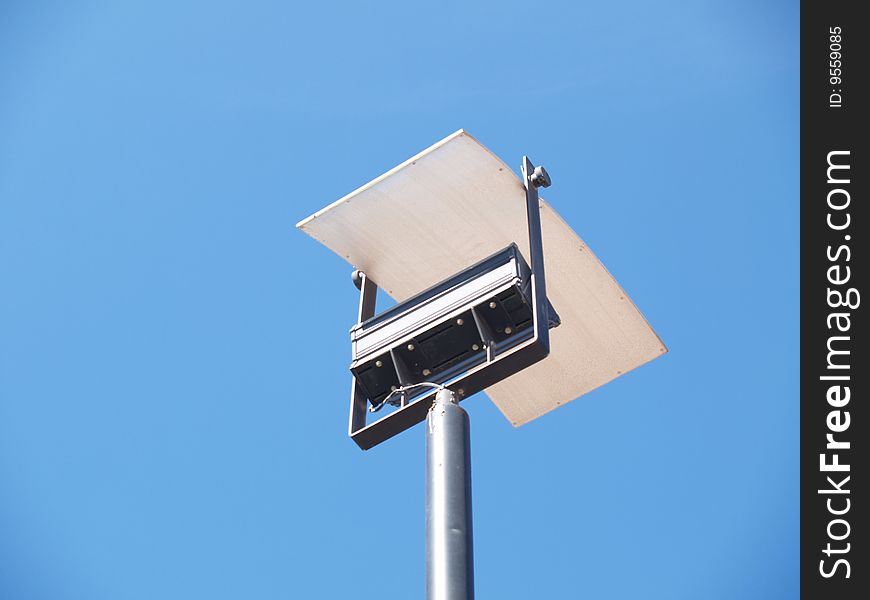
449	555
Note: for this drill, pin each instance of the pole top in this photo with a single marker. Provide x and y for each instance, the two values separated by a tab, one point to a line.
445	396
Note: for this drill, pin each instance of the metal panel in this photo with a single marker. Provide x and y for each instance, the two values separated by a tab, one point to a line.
393	228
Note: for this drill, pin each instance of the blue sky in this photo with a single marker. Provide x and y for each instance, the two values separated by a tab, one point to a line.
173	354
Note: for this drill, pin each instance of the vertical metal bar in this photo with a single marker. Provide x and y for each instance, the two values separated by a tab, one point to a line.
536	250
368	293
485	332
449	554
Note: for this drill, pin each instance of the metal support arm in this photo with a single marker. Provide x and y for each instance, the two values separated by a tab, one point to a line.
533	178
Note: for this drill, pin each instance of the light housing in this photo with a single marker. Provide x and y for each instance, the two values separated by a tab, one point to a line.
464	321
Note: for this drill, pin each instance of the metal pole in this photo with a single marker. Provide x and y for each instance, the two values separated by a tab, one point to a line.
449	555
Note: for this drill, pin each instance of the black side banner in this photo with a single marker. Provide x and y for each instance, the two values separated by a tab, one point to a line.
835	373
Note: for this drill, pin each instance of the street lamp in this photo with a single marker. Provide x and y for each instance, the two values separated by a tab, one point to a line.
463	246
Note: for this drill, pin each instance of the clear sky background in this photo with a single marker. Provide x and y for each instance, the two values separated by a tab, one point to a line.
173	354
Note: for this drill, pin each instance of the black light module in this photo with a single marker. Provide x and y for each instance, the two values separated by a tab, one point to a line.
445	330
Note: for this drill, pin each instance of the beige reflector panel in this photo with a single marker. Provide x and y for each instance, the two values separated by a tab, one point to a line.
456	203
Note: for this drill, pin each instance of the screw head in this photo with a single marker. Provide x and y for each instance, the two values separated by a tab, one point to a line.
475	347
460	322
410	347
508	330
379	363
426	372
492	304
